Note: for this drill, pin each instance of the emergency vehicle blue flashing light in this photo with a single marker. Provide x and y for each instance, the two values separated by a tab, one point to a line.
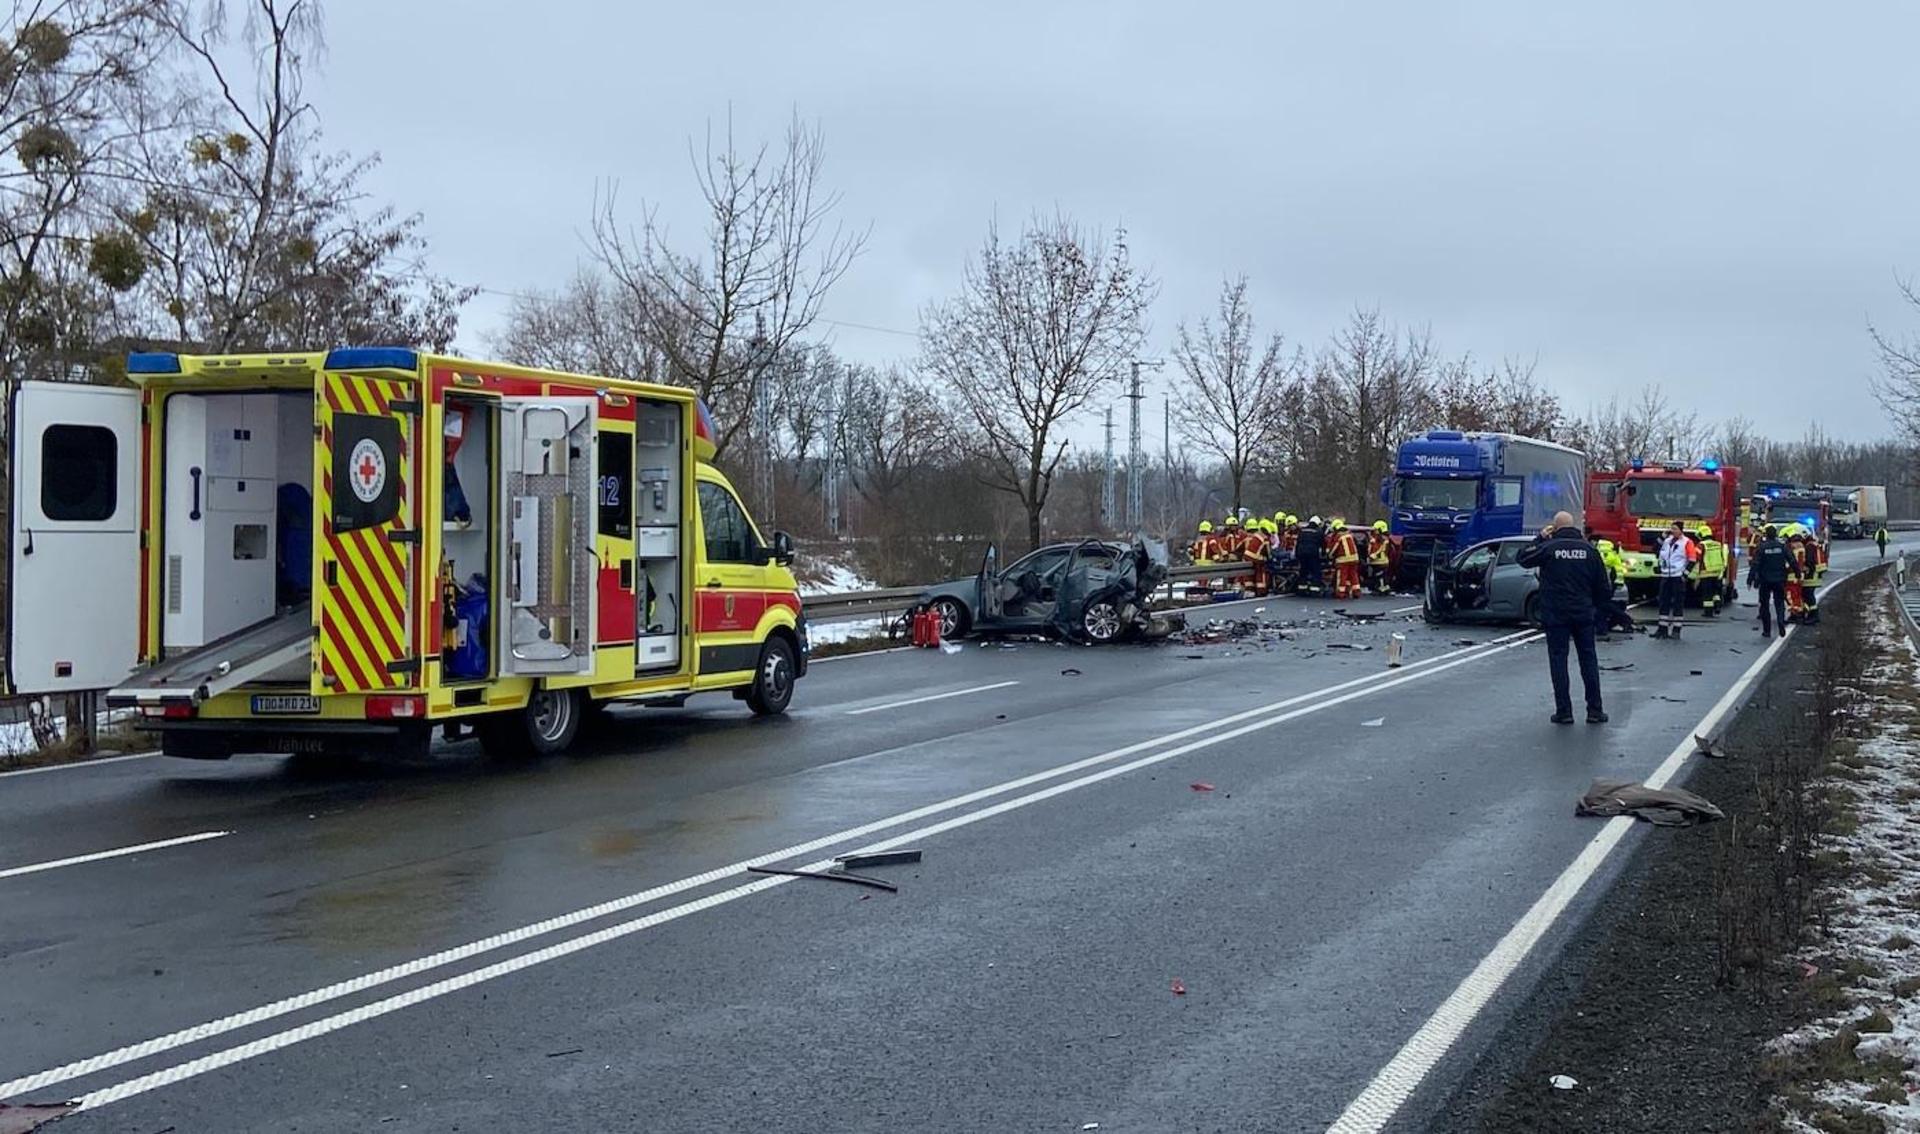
1710	465
1638	463
1773	494
154	362
372	358
1807	520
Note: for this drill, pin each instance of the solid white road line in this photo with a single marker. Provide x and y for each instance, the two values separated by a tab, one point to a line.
275	1042
159	1044
71	765
929	697
96	856
1382	1099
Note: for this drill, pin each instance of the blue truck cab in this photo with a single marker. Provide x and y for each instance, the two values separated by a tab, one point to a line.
1450	490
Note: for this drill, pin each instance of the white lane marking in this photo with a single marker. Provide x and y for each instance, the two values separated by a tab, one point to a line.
459	953
1382	1098
811	662
275	1042
928	697
96	856
1404	609
69	766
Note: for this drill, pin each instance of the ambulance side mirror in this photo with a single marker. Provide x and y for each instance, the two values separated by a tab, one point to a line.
782	550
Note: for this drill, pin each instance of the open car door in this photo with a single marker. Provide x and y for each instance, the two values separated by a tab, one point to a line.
73	570
1473	577
987	601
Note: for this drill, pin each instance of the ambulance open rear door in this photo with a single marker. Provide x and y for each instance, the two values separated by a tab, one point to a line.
73	570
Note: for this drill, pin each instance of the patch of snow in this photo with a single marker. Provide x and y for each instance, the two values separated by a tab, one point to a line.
824	633
1872	916
836	578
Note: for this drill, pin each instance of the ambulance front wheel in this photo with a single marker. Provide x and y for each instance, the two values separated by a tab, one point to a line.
772	688
550	723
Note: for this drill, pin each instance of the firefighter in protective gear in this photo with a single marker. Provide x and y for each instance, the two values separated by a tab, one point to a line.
1379	553
1346	562
1204	545
1230	539
1616	562
1713	571
1799	571
1253	551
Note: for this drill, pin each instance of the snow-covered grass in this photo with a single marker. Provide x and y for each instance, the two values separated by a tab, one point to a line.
1860	1061
835	633
830	569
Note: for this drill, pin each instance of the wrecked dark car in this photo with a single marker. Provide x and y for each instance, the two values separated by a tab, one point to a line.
1484	583
1096	591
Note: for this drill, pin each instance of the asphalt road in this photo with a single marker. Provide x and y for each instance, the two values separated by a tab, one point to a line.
575	943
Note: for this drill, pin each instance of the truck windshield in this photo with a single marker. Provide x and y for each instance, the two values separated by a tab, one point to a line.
1655	496
1419	492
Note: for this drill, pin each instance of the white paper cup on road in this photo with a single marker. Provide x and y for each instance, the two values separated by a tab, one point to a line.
1396	646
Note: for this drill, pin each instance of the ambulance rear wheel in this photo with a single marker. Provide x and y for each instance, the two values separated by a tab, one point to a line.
548	724
772	688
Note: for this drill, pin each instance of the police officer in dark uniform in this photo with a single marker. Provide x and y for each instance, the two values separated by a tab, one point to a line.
1573	586
1767	573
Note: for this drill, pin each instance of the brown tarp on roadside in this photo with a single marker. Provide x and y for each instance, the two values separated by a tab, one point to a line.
1665	807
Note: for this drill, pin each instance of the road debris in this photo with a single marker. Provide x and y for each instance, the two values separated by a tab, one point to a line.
1360	616
830	876
1396	647
1069	672
1178	988
1348	646
1695	672
950	647
569	1051
858	861
1663	807
1084	1126
1564	1082
1673	700
1706	746
1374	723
1617	668
1464	642
1237	630
30	1116
1200	785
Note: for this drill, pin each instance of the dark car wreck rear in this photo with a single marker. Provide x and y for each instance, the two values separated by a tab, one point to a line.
1093	591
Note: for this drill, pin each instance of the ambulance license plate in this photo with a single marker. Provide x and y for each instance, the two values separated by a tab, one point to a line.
284	704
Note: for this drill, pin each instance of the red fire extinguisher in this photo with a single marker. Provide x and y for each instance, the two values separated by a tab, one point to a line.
933	628
919	628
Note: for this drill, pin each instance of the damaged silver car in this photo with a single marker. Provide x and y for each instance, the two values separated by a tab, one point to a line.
1095	591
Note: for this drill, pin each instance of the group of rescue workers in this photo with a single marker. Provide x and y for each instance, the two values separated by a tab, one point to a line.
1289	555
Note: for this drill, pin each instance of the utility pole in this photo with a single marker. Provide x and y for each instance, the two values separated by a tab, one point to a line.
1106	488
1136	460
763	423
830	474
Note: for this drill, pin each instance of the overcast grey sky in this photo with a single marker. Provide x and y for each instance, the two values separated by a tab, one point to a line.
1715	197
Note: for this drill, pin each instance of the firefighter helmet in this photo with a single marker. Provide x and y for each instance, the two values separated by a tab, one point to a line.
1379	525
1233	521
1339	525
1704	531
1314	520
1206	525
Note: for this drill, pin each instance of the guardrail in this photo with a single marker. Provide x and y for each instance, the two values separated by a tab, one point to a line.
893	600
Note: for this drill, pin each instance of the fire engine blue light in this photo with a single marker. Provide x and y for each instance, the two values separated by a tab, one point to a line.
1807	520
1710	465
372	358
1638	463
153	363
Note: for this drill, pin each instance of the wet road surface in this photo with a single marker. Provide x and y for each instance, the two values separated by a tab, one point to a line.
576	942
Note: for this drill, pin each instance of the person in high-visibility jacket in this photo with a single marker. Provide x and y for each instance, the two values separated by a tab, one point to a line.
1378	555
1616	562
1713	571
1810	586
1204	545
1253	551
1230	540
1346	562
1800	572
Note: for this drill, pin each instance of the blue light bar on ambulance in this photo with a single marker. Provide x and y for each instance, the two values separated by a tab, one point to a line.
156	362
372	358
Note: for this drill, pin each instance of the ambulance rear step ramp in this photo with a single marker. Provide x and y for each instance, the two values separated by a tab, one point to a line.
246	655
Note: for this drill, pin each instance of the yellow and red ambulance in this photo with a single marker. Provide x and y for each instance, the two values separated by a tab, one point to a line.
341	551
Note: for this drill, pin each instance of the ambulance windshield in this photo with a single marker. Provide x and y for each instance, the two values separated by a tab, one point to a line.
1420	492
1657	496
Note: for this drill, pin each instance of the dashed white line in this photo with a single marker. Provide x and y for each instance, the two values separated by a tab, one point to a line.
1389	1090
928	697
1215	731
118	852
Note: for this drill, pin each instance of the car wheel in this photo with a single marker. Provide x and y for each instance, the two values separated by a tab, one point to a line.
772	688
1433	617
549	724
954	621
1101	621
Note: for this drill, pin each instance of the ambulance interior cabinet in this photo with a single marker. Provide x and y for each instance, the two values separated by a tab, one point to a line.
220	513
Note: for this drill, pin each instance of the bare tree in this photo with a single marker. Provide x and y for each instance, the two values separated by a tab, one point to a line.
1038	328
1898	386
1229	406
722	315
